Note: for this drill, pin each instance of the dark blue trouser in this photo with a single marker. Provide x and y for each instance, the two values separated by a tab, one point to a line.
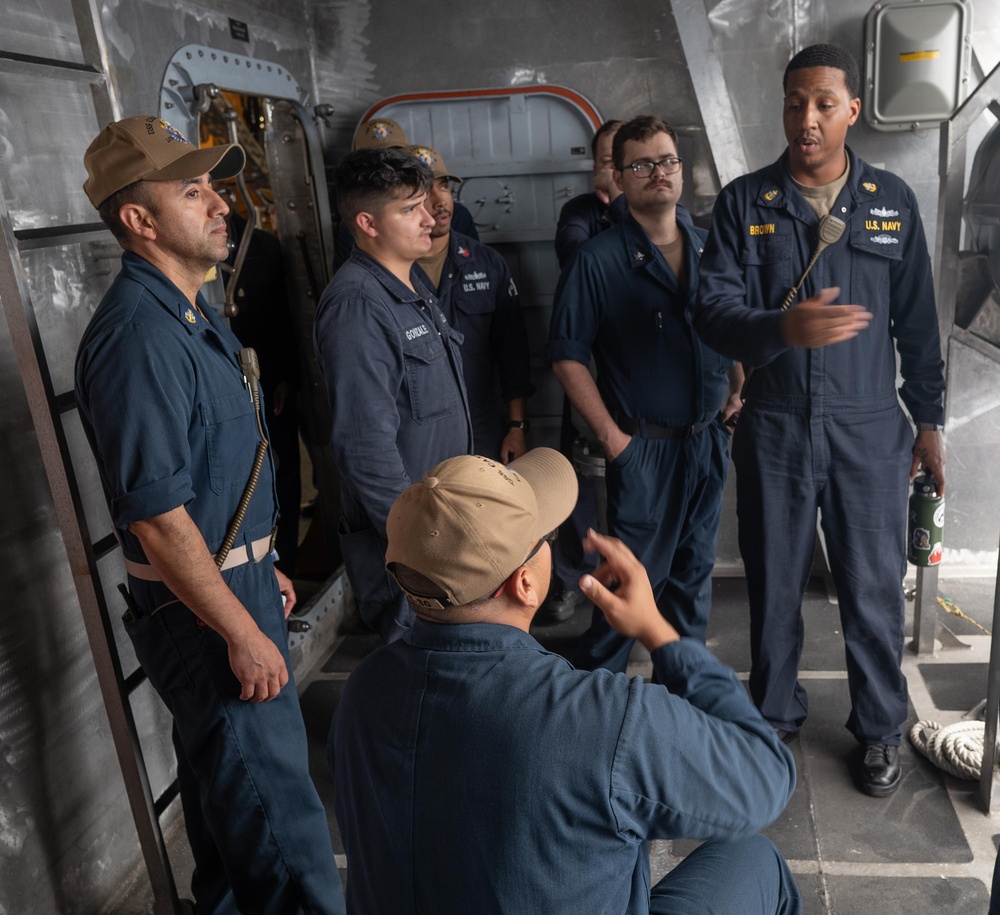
854	468
256	825
740	877
664	502
382	605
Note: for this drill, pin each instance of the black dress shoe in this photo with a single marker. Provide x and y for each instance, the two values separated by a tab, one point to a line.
880	771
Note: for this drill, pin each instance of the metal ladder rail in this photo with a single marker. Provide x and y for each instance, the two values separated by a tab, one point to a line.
47	409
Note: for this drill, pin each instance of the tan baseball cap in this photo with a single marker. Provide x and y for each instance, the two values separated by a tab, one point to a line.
148	148
471	521
379	133
432	159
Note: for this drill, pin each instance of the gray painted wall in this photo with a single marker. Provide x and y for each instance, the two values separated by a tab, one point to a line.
66	840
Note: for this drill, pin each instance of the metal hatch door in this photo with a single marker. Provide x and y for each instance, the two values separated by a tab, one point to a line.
295	162
522	151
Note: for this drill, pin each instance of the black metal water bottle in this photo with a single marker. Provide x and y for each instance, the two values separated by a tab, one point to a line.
925	530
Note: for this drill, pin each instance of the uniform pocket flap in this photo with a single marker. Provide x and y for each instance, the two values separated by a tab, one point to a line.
766	250
481	304
426	349
883	244
221	409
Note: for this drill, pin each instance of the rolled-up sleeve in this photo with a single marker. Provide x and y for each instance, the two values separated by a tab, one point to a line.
576	312
137	395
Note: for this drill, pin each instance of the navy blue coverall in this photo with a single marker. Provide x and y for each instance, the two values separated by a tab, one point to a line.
392	370
823	427
580	219
172	424
456	792
620	300
583	217
479	298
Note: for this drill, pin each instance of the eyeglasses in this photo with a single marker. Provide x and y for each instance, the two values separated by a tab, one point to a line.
550	537
669	166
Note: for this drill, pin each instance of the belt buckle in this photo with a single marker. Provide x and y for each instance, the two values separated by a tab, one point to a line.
686	432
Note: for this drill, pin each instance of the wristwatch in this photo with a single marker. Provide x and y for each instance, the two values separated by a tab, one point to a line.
517	424
929	427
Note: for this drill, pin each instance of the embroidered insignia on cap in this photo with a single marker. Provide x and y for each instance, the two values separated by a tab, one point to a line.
190	317
868	186
639	256
380	130
173	133
425	156
463	251
883	211
771	194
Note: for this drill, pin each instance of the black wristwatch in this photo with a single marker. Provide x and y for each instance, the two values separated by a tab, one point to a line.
517	424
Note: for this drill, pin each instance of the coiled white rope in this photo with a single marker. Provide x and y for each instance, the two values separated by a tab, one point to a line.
955	748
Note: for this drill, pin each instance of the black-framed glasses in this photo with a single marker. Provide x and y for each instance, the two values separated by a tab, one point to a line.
550	537
669	166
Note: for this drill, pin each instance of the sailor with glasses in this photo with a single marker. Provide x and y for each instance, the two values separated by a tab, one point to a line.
655	406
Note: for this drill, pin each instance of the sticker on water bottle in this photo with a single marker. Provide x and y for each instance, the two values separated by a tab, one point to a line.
939	515
921	538
936	554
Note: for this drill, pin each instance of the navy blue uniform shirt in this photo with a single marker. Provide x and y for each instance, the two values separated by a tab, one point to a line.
763	235
477	772
164	405
171	423
620	300
479	298
393	376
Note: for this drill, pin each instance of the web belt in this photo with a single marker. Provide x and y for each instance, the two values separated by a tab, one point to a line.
259	548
